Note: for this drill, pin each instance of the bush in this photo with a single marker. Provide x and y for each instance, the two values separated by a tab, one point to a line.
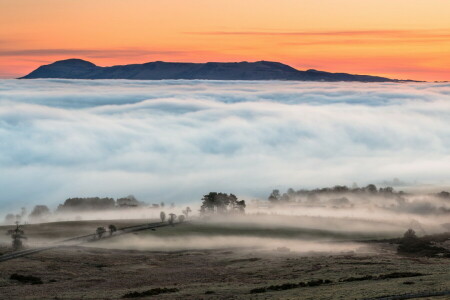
152	292
288	286
26	279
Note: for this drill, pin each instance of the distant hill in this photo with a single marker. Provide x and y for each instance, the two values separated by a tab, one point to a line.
260	70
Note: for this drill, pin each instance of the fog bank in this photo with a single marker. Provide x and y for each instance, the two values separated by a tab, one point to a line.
174	141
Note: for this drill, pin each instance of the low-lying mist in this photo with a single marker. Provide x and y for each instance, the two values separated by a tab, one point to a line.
198	242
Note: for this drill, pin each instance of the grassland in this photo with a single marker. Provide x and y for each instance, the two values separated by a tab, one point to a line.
102	271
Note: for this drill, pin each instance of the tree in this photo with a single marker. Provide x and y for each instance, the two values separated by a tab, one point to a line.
240	206
219	203
39	213
128	201
100	231
112	229
340	189
387	190
181	218
172	218
215	202
275	196
187	211
371	188
162	215
410	235
17	236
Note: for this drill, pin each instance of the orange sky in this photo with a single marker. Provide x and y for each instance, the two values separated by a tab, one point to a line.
396	38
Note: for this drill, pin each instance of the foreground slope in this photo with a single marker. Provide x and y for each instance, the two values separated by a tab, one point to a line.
103	271
260	70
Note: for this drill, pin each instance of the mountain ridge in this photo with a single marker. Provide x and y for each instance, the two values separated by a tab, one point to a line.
75	68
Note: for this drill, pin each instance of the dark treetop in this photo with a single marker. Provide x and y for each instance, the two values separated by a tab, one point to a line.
260	70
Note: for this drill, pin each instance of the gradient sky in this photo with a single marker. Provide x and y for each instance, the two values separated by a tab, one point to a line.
405	39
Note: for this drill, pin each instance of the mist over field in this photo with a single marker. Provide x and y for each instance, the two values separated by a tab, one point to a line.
174	141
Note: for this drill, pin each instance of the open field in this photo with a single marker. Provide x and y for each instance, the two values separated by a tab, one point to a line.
177	263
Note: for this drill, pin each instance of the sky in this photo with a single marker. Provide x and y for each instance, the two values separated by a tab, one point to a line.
175	141
403	39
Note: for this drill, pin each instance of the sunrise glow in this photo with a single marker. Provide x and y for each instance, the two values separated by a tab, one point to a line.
404	39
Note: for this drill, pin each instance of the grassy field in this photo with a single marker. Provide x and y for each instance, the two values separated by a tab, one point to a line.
102	272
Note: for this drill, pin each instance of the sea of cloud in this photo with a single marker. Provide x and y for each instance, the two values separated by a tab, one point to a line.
174	141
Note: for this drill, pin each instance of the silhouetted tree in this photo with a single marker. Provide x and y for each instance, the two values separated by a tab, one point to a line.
371	188
100	231
409	234
219	203
17	236
40	212
162	215
128	201
387	190
274	197
181	218
172	218
112	229
340	189
187	211
240	206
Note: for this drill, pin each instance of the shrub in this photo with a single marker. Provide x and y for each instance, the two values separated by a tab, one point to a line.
26	279
152	292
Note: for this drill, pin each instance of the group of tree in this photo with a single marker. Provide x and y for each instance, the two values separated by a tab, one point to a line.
100	231
291	195
98	204
173	217
221	203
86	204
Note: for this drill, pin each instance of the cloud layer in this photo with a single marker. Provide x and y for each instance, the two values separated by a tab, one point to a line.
176	140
